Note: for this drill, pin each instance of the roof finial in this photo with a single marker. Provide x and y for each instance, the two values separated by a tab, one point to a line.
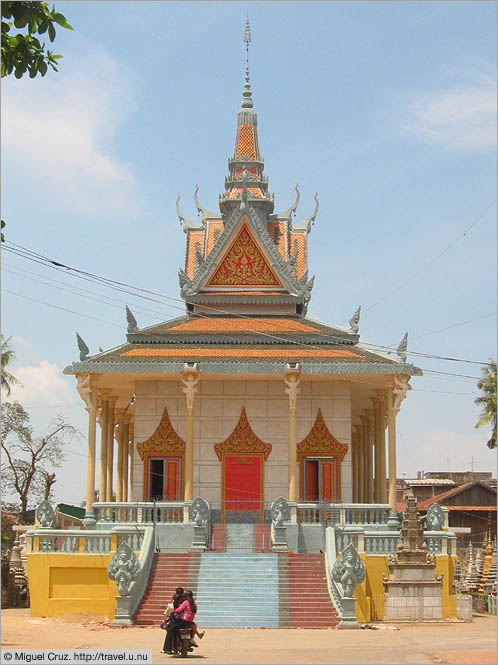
247	94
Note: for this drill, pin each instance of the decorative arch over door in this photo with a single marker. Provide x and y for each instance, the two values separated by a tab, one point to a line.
163	454
242	456
319	456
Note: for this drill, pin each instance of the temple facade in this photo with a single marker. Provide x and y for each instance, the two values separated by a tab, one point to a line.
243	399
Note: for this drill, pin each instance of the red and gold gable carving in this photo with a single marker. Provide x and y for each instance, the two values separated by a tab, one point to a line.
164	442
320	442
244	265
243	441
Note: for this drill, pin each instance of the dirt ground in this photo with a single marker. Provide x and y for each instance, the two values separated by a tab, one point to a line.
416	643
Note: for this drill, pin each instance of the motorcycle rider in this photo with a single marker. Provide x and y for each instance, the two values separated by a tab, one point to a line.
186	611
172	616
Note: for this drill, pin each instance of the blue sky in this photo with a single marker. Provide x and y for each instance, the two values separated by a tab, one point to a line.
386	109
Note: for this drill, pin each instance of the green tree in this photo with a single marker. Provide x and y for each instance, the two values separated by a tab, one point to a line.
8	354
22	52
487	400
27	461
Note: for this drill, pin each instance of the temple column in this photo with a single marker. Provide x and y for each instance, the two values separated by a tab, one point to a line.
369	442
110	446
103	444
126	457
190	379
292	378
376	443
364	455
90	395
391	433
382	445
130	475
119	462
359	459
354	462
394	398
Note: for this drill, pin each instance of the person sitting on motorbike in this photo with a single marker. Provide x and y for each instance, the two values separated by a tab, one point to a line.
172	617
187	611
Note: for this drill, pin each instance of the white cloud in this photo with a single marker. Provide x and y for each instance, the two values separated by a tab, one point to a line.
58	131
462	116
43	385
441	448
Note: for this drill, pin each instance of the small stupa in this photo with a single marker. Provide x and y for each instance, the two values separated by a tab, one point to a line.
412	592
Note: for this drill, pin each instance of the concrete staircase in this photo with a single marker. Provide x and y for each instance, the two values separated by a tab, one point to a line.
168	572
239	538
238	589
241	587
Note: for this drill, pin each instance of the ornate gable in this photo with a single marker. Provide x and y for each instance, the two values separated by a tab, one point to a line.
244	264
320	442
165	441
242	441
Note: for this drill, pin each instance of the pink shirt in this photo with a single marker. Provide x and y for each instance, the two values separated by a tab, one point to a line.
185	612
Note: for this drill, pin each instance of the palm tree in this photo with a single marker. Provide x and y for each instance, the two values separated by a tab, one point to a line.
488	400
8	354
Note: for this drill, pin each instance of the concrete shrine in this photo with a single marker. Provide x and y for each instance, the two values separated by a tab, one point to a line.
264	417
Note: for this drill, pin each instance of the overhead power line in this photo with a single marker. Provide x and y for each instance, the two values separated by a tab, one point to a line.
436	258
123	287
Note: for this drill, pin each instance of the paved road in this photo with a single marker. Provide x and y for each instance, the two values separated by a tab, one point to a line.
417	643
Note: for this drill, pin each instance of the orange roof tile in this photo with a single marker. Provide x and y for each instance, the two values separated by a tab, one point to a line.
243	352
471	508
222	324
434	499
235	191
281	236
245	293
245	143
301	264
213	226
193	238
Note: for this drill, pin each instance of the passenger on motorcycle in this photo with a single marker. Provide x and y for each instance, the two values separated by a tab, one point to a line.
172	617
186	611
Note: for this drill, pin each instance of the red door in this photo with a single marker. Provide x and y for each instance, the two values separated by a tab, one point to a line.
320	480
243	491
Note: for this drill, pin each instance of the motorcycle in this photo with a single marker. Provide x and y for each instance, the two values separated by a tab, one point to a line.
183	639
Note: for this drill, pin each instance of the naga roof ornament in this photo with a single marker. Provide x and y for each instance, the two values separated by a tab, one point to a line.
401	350
206	214
186	221
131	321
354	323
286	214
82	347
305	224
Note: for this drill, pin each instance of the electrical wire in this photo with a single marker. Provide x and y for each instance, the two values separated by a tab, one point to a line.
436	258
26	253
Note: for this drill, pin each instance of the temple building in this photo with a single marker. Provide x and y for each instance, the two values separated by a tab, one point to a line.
242	442
243	399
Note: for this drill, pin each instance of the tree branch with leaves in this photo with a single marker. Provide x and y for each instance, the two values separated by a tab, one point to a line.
22	52
487	400
27	461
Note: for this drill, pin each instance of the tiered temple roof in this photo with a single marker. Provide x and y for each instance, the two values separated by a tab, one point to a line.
246	288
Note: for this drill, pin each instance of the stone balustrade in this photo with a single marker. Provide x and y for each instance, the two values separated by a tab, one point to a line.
343	513
83	541
140	512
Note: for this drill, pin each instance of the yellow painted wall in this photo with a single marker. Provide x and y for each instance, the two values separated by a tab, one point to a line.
370	593
60	583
